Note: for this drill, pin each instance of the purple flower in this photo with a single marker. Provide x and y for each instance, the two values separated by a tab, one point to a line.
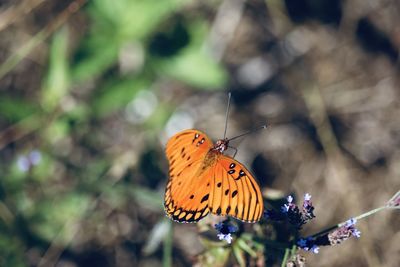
356	233
394	202
35	157
286	207
290	211
227	238
314	249
350	226
308	244
26	162
225	231
302	243
350	222
308	208
296	260
332	238
23	163
344	232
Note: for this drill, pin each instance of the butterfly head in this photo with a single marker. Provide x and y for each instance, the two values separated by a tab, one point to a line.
221	145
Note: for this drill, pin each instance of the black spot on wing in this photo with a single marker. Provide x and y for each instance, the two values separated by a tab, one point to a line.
195	137
241	174
201	141
205	198
254	186
234	193
218	212
248	209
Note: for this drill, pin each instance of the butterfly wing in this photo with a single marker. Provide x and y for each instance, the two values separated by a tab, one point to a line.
186	152
234	191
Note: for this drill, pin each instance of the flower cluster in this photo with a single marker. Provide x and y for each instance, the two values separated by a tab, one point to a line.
225	231
332	238
296	261
308	244
308	208
344	232
290	211
394	202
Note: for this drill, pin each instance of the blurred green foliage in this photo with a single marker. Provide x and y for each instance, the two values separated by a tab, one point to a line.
85	83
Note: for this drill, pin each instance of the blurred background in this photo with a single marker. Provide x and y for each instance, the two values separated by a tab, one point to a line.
90	91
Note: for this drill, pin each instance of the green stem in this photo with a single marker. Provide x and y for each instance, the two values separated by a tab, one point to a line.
359	217
364	215
285	257
167	248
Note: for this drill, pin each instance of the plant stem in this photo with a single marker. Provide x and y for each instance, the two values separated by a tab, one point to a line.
364	215
11	62
359	217
167	248
285	257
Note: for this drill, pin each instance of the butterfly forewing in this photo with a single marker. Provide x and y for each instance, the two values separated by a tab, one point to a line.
185	192
236	192
203	180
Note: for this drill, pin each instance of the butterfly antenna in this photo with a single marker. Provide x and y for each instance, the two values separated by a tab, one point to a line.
249	132
227	113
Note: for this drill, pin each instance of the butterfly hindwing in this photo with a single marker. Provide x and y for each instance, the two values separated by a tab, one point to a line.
185	193
235	191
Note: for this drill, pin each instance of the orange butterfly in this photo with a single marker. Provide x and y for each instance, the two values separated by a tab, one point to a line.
203	179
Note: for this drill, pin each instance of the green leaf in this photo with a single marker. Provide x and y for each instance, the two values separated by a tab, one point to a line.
116	23
244	246
147	198
157	235
117	95
11	249
15	109
56	84
133	19
55	131
193	65
215	254
239	255
57	217
95	56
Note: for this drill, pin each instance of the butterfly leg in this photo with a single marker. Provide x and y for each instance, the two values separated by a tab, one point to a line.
234	148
